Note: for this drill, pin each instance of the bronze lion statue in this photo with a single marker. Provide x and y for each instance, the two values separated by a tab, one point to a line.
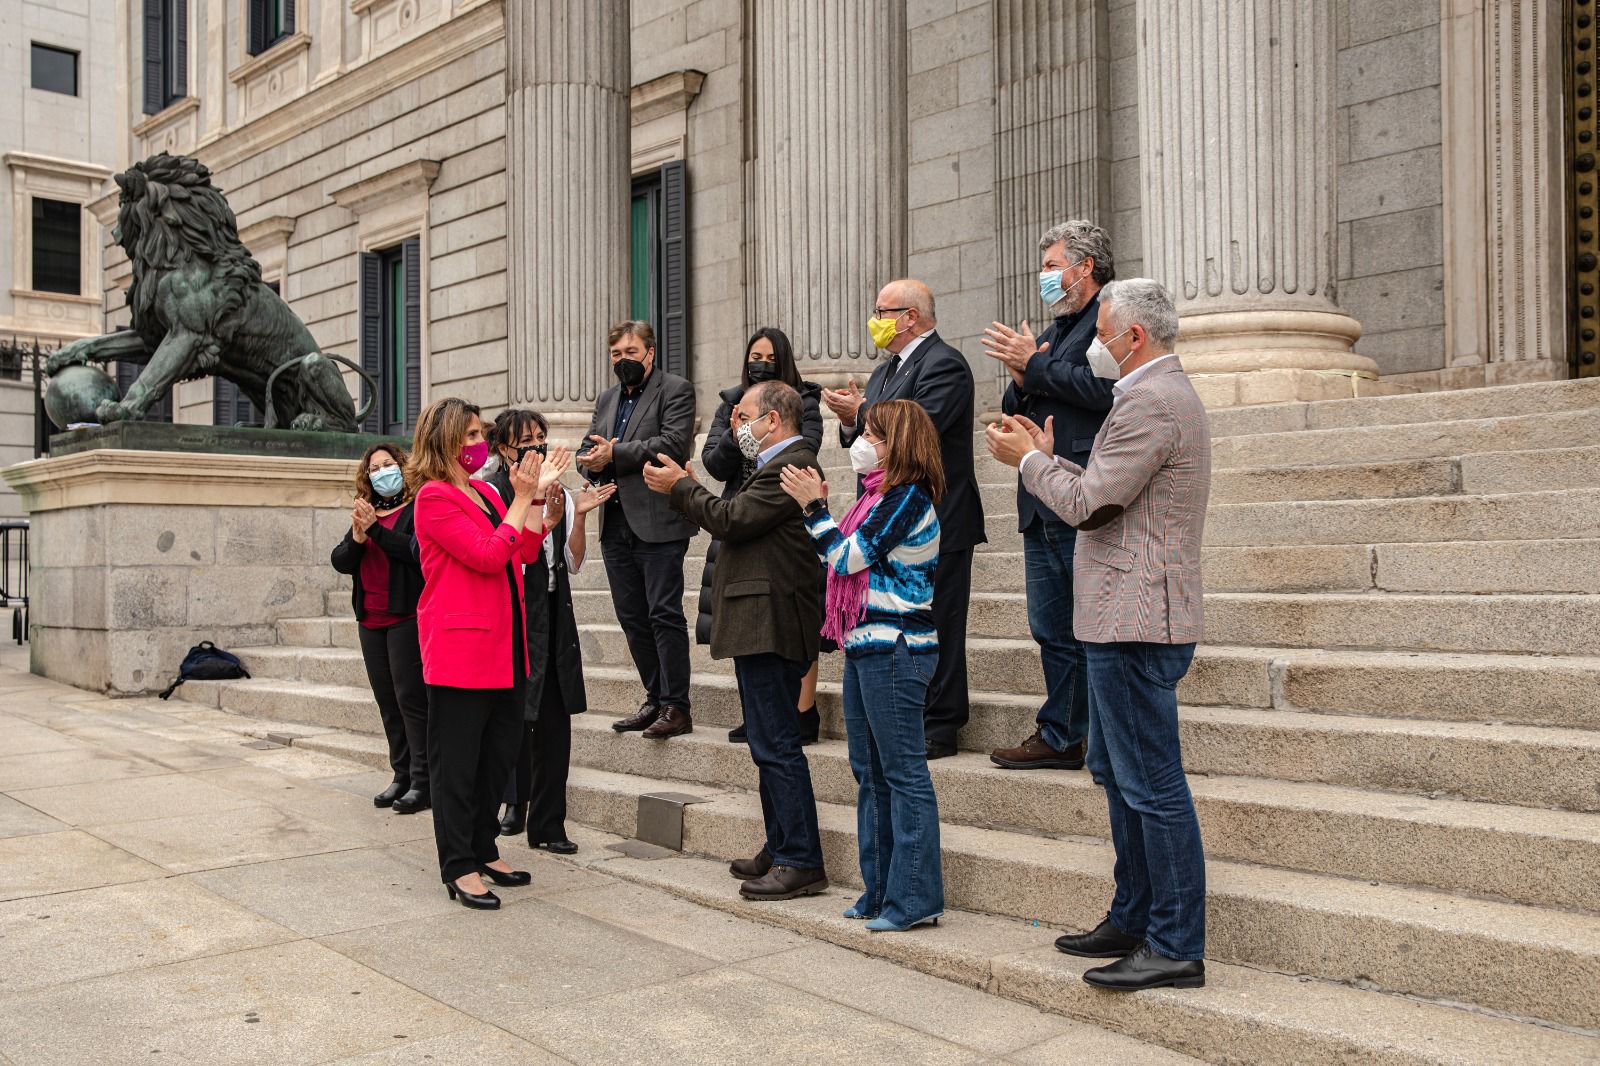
200	308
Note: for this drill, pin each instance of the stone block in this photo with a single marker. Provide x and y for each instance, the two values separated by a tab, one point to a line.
1390	183
146	597
953	38
1404	351
262	535
1392	124
138	663
1528	566
161	536
1393	242
1558	468
1395	64
1406	299
939	269
77	657
954	130
977	170
1372	20
933	182
1319	568
72	536
922	12
1127	190
234	594
952	223
977	78
52	594
88	598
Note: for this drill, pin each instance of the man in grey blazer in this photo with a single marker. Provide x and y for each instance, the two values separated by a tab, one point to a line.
1139	506
648	412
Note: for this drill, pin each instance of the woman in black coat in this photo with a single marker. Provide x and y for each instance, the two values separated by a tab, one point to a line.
376	553
768	356
537	796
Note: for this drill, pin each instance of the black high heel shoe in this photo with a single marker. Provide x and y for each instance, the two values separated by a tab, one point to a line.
514	879
485	901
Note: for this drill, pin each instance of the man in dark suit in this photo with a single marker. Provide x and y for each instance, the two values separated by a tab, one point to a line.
767	617
1051	377
642	540
923	368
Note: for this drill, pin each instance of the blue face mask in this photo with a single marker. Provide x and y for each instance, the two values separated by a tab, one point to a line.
1050	289
388	481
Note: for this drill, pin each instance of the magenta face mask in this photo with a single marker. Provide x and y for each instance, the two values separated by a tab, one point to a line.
473	456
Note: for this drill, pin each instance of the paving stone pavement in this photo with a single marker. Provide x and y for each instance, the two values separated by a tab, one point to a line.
168	892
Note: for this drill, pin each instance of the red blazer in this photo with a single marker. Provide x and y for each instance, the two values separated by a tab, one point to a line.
464	614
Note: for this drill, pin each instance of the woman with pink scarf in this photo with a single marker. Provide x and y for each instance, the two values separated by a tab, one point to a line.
881	559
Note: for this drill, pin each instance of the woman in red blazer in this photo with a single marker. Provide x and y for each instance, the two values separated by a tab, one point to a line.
470	624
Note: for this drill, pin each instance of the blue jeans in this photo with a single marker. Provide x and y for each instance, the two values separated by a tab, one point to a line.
769	685
1133	751
897	814
1063	718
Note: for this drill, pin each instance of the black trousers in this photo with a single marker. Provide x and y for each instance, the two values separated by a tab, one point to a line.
541	774
647	593
394	669
947	709
473	736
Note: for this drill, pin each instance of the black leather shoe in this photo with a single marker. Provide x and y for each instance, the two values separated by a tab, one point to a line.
395	790
558	847
515	820
938	749
748	869
412	802
514	879
643	718
485	901
785	882
1104	941
810	726
736	735
1147	969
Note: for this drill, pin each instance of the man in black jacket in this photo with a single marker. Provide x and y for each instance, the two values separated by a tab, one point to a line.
1051	377
642	541
923	368
767	618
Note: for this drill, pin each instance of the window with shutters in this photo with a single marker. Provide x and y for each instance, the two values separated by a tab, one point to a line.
659	264
57	246
166	53
391	335
270	22
127	374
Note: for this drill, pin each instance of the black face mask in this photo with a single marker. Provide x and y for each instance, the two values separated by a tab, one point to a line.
761	371
629	371
542	449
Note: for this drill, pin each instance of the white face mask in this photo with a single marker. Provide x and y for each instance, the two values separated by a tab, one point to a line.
1101	362
749	445
863	456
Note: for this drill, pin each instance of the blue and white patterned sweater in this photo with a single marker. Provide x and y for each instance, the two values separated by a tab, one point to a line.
898	546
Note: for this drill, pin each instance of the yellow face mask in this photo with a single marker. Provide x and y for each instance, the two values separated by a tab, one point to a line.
883	331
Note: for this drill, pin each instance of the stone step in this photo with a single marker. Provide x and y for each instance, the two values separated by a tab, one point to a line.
1492	763
1243	1014
1382	443
1521	689
1544	858
1425	519
1527	961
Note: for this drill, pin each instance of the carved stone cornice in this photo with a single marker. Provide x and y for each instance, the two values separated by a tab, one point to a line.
280	52
55	167
405	180
666	95
171	113
274	228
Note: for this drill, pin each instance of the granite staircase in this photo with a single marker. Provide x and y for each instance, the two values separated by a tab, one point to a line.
1392	734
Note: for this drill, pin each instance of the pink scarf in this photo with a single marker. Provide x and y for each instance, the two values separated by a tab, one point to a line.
847	593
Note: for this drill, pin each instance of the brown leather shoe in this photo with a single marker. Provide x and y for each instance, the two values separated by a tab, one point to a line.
750	869
1034	753
674	722
643	718
785	882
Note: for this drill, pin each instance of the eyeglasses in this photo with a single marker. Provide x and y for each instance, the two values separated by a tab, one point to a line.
879	312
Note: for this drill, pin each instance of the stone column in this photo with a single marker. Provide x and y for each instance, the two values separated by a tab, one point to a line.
827	175
1237	128
568	74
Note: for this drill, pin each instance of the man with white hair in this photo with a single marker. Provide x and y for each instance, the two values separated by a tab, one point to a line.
1051	378
1139	506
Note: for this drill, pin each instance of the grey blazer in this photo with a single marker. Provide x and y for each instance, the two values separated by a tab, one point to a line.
663	421
1140	508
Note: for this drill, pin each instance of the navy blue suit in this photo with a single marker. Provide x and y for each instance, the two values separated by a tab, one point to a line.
1058	383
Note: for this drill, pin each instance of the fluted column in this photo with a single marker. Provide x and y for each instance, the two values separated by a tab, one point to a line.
1052	134
828	173
568	75
1237	127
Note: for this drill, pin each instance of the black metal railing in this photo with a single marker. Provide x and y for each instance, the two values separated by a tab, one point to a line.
24	361
14	574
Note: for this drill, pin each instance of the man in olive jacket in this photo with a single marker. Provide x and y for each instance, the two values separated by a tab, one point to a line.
767	618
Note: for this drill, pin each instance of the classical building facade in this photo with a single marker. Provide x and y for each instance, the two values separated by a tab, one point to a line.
462	194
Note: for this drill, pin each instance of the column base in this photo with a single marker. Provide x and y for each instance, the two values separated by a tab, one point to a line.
1278	355
1282	385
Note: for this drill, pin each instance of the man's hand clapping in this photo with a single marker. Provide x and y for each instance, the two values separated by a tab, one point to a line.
598	457
845	402
661	478
1012	347
803	484
1014	436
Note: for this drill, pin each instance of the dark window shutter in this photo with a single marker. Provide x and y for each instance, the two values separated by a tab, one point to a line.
154	89
180	49
372	332
258	26
127	374
222	394
412	251
288	16
675	268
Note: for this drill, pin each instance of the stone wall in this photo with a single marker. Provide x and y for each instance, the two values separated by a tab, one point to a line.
1391	250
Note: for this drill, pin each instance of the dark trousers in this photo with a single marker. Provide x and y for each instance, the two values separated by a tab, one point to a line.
473	736
540	780
647	593
947	709
769	685
1047	547
394	669
1133	751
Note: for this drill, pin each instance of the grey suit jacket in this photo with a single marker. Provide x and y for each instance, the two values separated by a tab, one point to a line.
663	421
1140	508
